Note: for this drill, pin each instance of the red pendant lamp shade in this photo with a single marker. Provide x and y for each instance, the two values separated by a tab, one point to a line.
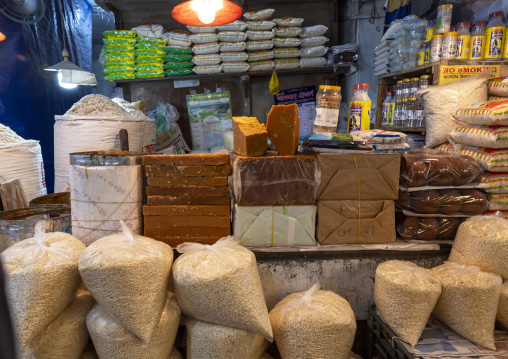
207	12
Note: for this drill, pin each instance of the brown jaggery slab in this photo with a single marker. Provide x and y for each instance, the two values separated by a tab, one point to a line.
188	171
283	126
187	231
221	211
187	181
208	181
187	201
167	181
250	137
212	159
188	191
175	241
195	221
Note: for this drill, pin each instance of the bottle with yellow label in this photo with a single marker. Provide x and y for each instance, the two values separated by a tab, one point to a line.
421	54
359	109
505	43
463	40
426	58
430	30
494	36
477	41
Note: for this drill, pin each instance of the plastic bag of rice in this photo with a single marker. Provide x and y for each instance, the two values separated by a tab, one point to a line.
261	65
119	41
205	49
66	336
468	302
490	137
207	340
231	67
491	159
220	284
119	33
315	51
484	113
286	52
124	48
498	202
263	14
261	25
502	309
210	59
313	324
311	31
287	31
202	29
288	21
178	65
259	45
405	295
149	46
495	182
312	62
128	274
175	354
281	64
232	46
498	87
148	60
207	69
149	30
150	40
260	35
41	279
441	100
314	41
232	36
233	56
482	241
118	56
260	55
286	41
177	58
203	38
113	341
237	25
152	53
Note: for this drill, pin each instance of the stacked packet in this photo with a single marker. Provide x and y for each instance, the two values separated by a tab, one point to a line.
312	49
206	50
260	39
288	29
149	52
119	54
178	53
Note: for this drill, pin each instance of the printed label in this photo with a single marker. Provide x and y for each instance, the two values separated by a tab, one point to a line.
359	116
494	43
426	59
505	47
463	44
391	107
477	43
385	114
429	33
326	117
421	57
449	73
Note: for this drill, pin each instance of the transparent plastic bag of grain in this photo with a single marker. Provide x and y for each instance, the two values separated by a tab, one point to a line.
128	274
313	324
113	341
175	354
468	302
405	295
220	284
502	309
207	340
41	279
482	241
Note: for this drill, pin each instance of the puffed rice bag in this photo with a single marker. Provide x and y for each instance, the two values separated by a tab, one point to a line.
316	51
237	25
233	56
232	67
312	62
41	279
220	284
150	40
261	65
281	64
128	274
211	59
468	302
177	38
119	41
490	137
313	41
498	202
286	52
202	29
178	50
405	295
259	45
261	25
496	98
260	35
495	182
205	49
264	14
207	340
313	324
288	21
260	55
489	113
149	30
498	87
502	309
203	38
491	159
232	36
232	46
287	31
286	41
207	69
311	31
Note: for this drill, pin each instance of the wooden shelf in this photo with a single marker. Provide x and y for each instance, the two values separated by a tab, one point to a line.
403	129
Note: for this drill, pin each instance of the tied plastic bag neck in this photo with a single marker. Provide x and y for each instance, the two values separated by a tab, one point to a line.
274	85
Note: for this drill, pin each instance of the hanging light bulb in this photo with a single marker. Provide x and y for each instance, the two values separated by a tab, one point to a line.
207	12
63	84
2	36
206	9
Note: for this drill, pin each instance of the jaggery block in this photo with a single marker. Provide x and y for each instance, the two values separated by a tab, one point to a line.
166	181
208	181
189	171
188	191
195	221
212	159
250	136
154	232
220	211
187	181
187	200
283	126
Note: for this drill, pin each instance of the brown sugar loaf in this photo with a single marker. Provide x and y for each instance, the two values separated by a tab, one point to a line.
474	201
450	200
444	201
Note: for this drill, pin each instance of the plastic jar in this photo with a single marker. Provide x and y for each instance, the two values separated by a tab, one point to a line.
396	113
386	114
494	36
415	81
359	109
426	59
430	30
449	46
406	85
444	18
421	54
477	41
425	81
463	40
327	109
436	48
398	90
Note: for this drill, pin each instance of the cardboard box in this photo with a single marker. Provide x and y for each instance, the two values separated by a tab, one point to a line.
277	226
341	222
364	177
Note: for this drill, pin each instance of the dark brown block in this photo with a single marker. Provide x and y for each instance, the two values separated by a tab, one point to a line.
189	171
187	232
188	191
207	181
194	221
187	200
167	181
221	211
187	160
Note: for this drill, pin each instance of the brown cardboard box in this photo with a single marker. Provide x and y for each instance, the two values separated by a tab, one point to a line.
341	222
359	177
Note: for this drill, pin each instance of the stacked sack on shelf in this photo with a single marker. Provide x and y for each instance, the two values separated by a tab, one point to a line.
118	59
149	51
177	61
232	45
287	28
206	48
259	39
382	58
439	191
312	49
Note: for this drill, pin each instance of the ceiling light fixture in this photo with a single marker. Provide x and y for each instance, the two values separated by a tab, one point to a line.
2	36
207	12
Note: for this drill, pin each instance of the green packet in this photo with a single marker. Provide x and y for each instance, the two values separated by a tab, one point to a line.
124	48
149	53
119	55
117	70
115	63
178	65
177	58
119	41
123	76
148	60
180	72
119	33
147	74
150	40
147	67
149	46
178	50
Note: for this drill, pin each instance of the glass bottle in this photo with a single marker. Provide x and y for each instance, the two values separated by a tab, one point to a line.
406	84
410	112
418	114
402	112
327	109
415	81
396	113
425	81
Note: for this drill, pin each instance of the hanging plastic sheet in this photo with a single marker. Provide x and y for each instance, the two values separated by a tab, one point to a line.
396	9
